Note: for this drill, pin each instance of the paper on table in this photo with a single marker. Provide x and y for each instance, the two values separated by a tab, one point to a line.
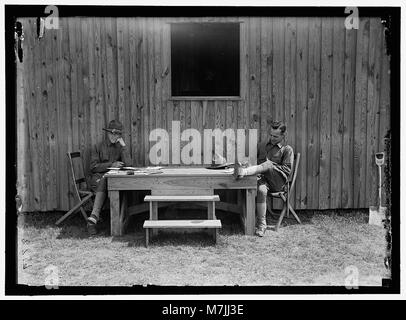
153	168
124	168
154	172
132	168
116	172
124	172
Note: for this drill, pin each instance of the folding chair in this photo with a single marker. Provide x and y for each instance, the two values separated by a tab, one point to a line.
79	180
285	195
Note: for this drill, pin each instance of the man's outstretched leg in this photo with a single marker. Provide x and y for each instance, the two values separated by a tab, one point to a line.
269	180
274	179
240	172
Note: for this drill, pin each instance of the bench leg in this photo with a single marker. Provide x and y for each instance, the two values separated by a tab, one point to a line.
211	211
146	237
215	235
153	215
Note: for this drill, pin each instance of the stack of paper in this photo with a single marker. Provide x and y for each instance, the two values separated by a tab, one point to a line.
143	171
132	168
116	172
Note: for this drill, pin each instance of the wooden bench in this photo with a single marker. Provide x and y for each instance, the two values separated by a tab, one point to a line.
166	224
154	223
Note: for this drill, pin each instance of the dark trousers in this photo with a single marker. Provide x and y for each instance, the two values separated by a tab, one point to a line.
98	183
269	180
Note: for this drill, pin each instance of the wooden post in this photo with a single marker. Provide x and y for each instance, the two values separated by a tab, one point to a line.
22	146
325	115
314	109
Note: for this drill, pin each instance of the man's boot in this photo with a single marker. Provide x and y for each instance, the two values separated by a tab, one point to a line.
261	219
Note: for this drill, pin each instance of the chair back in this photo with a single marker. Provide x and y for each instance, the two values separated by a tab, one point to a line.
78	174
292	177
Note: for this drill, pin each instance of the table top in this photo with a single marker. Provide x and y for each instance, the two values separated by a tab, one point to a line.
185	178
176	172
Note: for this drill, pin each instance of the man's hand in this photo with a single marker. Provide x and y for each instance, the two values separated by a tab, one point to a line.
121	141
117	164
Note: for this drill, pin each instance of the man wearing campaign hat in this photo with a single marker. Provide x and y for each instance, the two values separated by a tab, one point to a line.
112	152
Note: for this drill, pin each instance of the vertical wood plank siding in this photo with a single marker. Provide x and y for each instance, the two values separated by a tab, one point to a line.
329	84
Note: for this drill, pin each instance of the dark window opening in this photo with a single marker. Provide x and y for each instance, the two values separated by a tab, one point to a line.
205	59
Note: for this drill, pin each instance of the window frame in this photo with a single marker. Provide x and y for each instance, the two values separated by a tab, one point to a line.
242	32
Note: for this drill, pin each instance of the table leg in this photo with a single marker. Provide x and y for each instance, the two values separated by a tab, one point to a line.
249	227
123	212
115	221
241	204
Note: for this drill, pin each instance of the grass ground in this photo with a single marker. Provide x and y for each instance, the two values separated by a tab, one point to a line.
314	253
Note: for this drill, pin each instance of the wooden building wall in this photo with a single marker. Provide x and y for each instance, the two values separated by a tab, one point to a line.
330	85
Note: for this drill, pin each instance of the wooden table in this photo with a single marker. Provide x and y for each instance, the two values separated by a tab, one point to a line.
175	180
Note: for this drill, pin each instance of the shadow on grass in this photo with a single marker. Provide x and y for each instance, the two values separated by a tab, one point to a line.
72	227
163	239
75	227
195	239
305	216
46	220
354	215
135	233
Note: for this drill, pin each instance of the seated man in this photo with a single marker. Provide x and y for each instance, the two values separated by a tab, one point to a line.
111	152
275	164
